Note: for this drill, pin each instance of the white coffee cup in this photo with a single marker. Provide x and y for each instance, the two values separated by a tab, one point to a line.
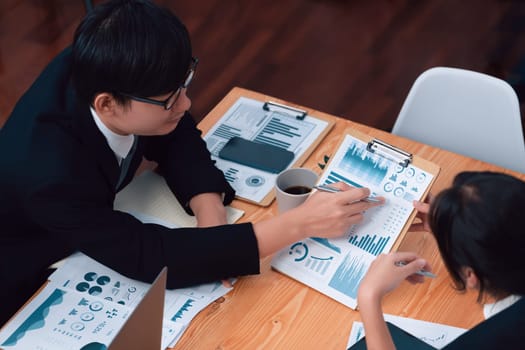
293	186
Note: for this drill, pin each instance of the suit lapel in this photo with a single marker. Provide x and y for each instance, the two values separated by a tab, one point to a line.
95	144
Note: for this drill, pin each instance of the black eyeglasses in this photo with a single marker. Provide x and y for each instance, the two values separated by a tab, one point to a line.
174	96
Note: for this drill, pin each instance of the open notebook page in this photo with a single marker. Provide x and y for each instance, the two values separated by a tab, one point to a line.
149	194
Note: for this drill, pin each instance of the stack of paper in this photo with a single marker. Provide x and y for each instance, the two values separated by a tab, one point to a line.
85	302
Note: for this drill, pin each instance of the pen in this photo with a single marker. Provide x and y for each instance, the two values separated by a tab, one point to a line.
420	272
327	188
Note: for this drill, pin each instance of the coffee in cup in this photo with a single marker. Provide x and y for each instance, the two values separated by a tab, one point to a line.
293	186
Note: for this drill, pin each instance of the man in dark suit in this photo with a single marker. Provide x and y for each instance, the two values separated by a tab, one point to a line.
77	136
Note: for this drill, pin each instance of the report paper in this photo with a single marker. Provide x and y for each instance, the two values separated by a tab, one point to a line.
336	267
86	302
247	119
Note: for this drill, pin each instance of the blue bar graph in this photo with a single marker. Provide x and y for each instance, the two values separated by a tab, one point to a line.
188	304
227	131
277	132
348	275
365	165
336	177
372	244
317	264
231	174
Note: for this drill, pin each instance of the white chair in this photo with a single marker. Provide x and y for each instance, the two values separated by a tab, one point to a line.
465	112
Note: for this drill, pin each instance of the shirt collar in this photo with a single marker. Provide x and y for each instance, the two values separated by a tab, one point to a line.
490	310
119	144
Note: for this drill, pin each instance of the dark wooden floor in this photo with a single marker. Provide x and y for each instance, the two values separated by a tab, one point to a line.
356	58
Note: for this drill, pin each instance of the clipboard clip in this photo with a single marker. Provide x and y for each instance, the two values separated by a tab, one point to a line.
388	151
301	113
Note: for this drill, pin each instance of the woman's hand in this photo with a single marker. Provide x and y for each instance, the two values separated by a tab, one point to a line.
422	213
385	275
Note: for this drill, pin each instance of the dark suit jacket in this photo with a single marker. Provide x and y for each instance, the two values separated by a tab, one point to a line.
505	330
57	186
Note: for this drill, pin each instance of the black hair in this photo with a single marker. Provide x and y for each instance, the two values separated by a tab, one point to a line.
480	223
132	47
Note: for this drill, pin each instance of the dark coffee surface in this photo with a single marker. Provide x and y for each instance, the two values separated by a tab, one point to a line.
297	190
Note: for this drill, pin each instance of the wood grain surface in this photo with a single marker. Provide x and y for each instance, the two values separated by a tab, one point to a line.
272	311
354	59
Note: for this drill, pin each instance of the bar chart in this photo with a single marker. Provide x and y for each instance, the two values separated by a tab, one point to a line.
284	131
349	274
188	304
318	265
337	177
365	165
373	244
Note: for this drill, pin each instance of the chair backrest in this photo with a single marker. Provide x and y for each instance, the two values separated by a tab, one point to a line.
465	112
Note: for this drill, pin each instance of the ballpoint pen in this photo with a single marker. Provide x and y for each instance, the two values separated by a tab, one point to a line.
420	272
328	188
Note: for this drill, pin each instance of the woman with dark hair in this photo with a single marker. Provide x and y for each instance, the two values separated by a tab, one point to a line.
78	135
478	224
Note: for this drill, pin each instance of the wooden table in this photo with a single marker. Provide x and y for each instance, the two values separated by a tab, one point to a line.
272	311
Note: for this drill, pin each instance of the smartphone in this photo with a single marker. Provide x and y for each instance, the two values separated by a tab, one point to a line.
256	155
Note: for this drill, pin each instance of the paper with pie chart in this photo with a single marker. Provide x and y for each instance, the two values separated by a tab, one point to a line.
336	266
85	304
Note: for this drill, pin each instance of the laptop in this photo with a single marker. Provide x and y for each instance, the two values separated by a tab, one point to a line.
143	328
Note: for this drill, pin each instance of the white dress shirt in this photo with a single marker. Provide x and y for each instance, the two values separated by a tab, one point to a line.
119	144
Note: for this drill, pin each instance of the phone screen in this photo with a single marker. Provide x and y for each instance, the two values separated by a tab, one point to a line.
256	155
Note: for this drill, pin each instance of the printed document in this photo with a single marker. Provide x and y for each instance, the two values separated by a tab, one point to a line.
247	119
85	302
336	267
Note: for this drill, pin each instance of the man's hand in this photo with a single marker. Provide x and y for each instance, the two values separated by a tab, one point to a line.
208	209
